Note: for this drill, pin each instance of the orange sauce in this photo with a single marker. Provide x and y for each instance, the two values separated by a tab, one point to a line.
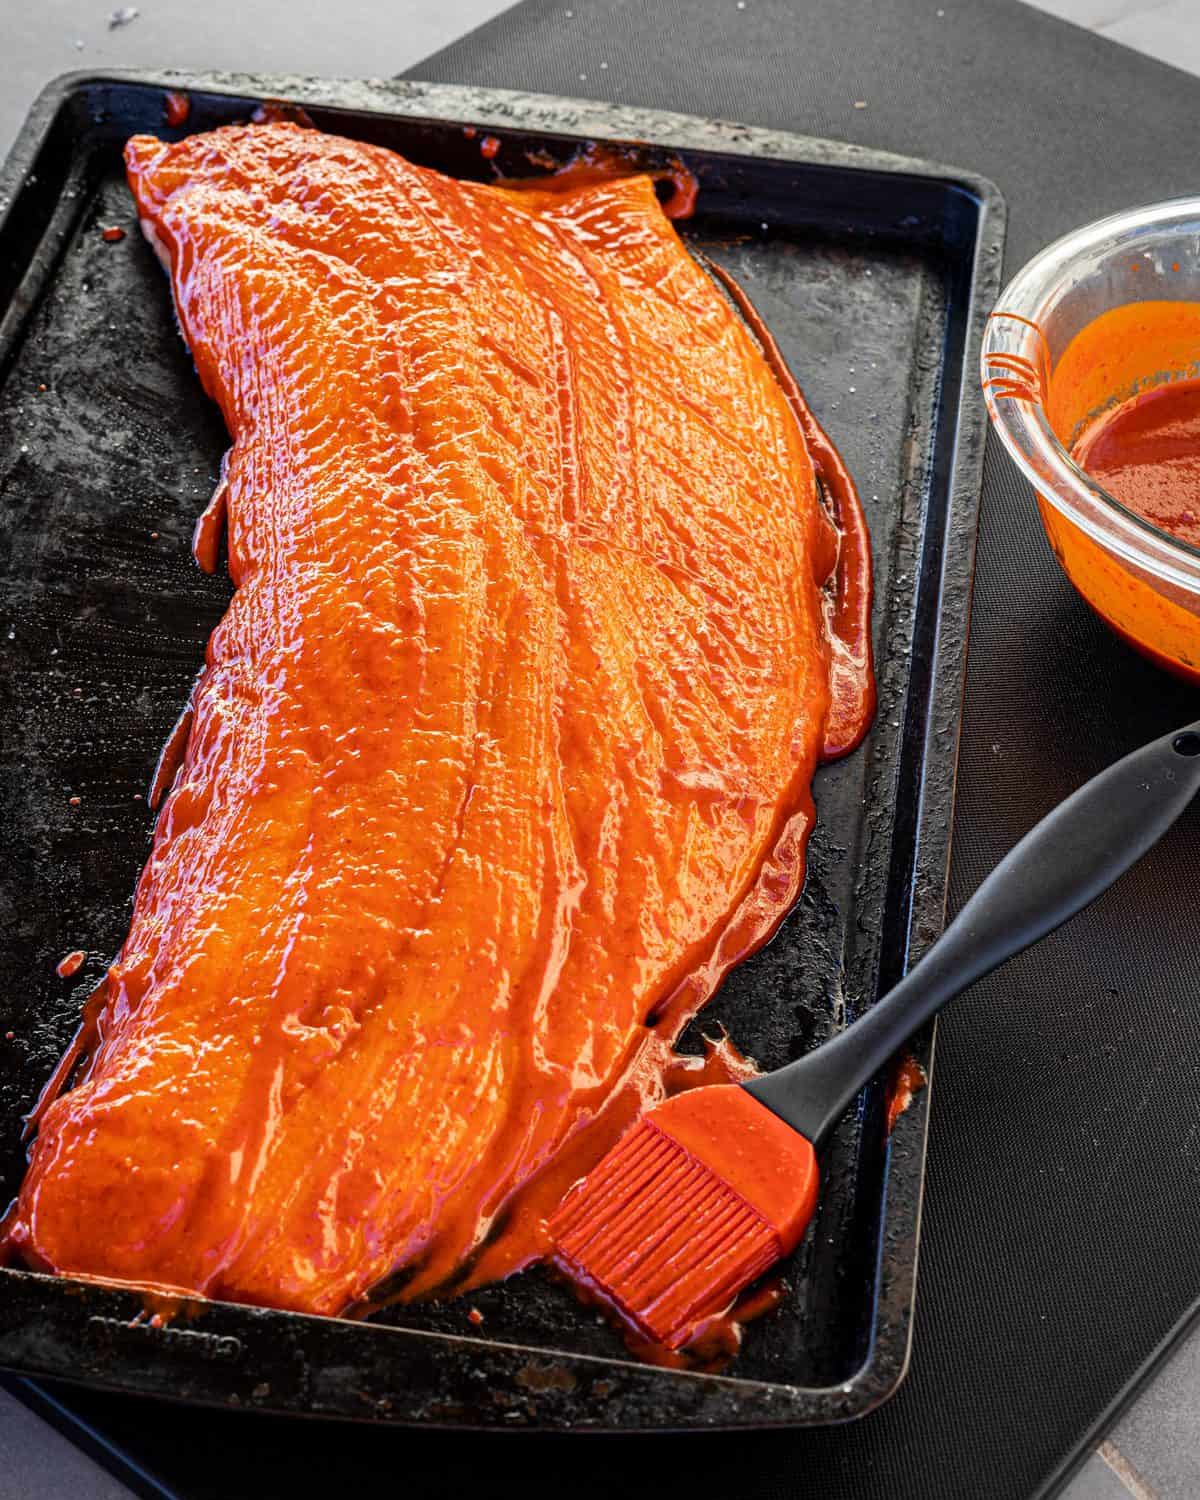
177	106
501	756
908	1081
1146	454
71	964
1102	401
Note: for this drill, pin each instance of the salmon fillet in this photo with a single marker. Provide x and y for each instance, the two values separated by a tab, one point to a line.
501	754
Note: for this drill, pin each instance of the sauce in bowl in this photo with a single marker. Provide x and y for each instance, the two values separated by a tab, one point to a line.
1146	454
1090	366
1124	401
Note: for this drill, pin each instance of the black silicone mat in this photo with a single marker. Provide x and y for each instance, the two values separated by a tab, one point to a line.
1062	1232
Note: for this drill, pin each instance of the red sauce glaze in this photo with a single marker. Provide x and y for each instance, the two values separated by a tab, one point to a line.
501	755
908	1081
112	234
177	107
1146	454
71	964
602	162
715	1341
88	1036
170	759
849	577
210	527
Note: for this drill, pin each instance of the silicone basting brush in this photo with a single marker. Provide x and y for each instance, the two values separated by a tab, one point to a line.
710	1188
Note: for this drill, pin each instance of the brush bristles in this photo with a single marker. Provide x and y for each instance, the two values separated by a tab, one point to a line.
662	1236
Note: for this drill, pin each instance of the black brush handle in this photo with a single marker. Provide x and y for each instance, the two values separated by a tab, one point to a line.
1061	865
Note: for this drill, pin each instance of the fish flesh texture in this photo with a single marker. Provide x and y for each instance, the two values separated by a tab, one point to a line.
501	754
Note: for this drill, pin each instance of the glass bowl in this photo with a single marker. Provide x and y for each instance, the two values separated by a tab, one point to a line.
1108	311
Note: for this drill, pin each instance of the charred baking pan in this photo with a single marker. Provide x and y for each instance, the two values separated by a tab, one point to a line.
875	274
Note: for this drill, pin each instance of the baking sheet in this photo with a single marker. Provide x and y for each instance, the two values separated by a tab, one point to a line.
874	274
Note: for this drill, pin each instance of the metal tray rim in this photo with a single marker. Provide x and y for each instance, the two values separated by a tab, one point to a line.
768	1404
558	114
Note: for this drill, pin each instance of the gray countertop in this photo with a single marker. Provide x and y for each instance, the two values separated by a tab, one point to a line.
346	39
1153	1453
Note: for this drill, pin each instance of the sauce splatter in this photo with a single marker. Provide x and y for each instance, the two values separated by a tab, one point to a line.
112	234
71	964
908	1081
177	106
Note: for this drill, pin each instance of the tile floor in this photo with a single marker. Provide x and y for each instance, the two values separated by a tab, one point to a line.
1153	1452
1166	29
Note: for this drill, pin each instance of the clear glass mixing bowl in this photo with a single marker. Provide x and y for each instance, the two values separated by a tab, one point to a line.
1099	316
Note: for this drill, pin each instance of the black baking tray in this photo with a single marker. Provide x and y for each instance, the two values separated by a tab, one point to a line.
875	274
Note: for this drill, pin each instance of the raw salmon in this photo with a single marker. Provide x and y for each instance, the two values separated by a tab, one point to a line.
501	754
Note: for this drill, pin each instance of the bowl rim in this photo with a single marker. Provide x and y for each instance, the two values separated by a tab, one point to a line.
1015	405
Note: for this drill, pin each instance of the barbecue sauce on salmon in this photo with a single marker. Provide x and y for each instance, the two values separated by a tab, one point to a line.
501	755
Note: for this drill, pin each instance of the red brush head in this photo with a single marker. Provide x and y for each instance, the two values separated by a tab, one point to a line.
696	1201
